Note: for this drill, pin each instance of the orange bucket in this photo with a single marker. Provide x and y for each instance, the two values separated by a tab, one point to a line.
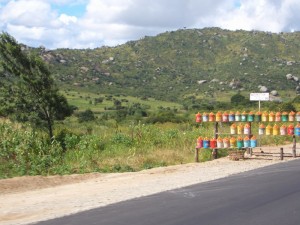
218	117
211	117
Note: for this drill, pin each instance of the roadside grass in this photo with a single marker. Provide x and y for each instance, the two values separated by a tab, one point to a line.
107	147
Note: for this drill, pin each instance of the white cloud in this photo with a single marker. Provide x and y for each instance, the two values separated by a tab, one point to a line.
266	15
67	19
111	22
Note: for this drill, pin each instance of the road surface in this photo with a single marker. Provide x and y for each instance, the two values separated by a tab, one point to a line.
266	196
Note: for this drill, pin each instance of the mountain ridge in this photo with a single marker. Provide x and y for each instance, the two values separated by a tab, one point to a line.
177	64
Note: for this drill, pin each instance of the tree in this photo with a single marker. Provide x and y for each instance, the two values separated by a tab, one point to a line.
238	99
29	93
85	116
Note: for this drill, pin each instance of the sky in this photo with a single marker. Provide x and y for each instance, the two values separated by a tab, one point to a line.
81	24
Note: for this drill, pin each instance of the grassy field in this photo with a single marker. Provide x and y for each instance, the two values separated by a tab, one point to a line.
86	100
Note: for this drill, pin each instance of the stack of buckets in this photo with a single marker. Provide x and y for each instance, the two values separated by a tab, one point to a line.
248	117
227	142
240	129
276	130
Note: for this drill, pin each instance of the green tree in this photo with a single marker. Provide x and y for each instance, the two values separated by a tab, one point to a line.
85	116
28	91
238	99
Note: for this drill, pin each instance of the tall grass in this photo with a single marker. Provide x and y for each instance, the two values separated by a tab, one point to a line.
102	149
106	147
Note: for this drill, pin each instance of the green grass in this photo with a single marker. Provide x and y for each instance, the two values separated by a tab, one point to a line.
85	100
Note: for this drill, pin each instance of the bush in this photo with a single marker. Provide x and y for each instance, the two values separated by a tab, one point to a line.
85	116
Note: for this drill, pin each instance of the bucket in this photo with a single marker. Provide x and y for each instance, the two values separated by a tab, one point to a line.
268	130
218	117
278	117
261	129
231	117
275	129
253	142
233	129
232	142
205	117
225	117
297	130
240	129
246	142
290	130
247	129
292	116
237	116
283	130
284	117
244	117
211	117
250	117
206	143
240	142
257	117
198	118
199	142
264	117
226	143
213	143
271	117
220	143
298	117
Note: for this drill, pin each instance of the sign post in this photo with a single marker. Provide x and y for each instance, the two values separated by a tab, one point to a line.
259	97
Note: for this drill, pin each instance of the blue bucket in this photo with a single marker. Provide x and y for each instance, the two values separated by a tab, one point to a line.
297	131
247	143
253	143
231	118
206	143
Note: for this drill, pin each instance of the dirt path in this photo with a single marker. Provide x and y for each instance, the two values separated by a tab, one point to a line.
26	200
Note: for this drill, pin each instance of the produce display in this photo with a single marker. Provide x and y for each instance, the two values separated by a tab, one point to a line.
270	123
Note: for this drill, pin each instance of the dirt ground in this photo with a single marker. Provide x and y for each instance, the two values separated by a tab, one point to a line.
26	200
29	183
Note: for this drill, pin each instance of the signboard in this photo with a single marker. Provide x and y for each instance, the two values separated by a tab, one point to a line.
259	96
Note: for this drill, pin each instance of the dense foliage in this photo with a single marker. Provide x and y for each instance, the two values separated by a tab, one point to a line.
28	92
205	63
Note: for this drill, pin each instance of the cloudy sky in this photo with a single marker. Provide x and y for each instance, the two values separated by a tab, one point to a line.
95	23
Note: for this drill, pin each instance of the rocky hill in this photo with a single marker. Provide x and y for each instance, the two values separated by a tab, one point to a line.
173	65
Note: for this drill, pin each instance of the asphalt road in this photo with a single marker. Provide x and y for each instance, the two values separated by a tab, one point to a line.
267	196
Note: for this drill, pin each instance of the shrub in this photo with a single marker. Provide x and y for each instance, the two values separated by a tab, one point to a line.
85	116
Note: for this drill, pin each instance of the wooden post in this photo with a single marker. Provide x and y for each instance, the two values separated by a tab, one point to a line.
294	146
216	130
249	151
196	154
250	132
215	153
281	153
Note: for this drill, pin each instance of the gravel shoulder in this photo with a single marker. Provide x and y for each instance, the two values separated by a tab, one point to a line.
26	200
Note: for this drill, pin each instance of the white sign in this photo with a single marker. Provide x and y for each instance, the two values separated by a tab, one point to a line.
259	96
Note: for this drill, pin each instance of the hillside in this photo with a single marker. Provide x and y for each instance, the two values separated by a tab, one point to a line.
208	63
